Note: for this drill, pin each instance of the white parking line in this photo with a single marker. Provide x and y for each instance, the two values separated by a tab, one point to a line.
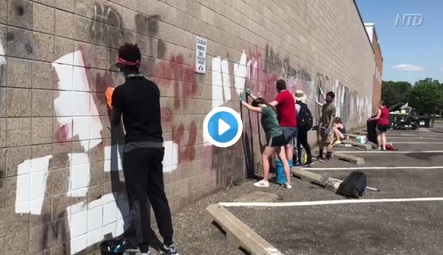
388	152
329	202
372	168
417	142
415	137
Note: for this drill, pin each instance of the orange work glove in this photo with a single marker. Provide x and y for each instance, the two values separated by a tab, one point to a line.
108	94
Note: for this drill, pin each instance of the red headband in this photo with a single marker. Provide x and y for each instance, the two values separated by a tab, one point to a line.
128	63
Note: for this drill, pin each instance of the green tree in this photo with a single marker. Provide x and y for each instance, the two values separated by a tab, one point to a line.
393	92
426	96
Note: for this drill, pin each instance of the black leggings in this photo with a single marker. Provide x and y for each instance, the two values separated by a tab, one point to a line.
143	170
302	139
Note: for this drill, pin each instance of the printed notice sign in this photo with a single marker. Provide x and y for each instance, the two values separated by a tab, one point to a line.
200	55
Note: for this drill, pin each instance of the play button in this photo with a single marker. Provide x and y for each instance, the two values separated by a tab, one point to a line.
222	127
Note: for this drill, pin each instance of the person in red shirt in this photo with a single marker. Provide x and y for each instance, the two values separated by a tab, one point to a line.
382	119
287	117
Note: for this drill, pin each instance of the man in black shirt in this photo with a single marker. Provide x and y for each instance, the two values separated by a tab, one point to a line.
138	99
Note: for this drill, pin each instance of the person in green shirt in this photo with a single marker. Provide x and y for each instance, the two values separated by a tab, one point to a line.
328	112
275	138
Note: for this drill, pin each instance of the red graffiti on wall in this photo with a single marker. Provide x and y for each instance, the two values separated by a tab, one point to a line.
259	79
178	80
62	133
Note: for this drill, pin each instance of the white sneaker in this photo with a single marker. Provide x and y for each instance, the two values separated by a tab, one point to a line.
262	184
288	185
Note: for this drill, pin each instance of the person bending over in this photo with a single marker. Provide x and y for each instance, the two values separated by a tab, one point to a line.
286	115
382	119
138	100
275	139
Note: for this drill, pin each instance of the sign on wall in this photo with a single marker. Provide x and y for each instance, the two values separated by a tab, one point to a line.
200	55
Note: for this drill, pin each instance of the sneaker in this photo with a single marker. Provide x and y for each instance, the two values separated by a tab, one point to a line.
169	250
309	163
262	184
288	185
298	164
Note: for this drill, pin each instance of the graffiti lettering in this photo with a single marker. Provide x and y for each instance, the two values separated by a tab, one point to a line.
175	76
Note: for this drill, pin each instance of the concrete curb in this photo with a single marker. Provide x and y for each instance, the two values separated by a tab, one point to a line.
307	176
238	233
358	145
353	135
350	158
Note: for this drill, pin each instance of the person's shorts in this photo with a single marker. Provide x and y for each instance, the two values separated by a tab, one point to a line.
290	134
323	134
382	128
276	141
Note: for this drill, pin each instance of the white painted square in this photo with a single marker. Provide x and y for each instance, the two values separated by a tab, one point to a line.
81	103
81	127
79	177
78	244
23	207
170	159
110	229
95	129
65	73
95	218
107	157
36	206
94	237
38	184
64	104
76	208
80	79
109	213
121	226
77	193
23	194
78	224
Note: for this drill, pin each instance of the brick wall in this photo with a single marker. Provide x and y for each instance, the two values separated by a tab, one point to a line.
376	97
60	178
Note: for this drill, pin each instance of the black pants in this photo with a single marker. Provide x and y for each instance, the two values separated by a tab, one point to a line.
143	170
302	139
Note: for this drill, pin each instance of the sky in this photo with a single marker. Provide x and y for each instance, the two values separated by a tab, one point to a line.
410	53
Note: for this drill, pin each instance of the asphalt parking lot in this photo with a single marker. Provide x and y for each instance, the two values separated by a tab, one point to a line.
410	226
415	171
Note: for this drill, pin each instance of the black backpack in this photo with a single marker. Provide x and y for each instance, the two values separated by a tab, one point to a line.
304	117
353	186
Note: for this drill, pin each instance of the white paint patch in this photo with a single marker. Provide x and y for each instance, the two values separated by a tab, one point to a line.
2	55
79	174
330	202
221	85
240	72
170	160
371	168
31	185
89	223
109	164
388	152
75	106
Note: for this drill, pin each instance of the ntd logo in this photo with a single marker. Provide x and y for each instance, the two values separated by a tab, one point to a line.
409	19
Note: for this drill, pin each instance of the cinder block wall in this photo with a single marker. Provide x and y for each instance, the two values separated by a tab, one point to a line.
60	179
